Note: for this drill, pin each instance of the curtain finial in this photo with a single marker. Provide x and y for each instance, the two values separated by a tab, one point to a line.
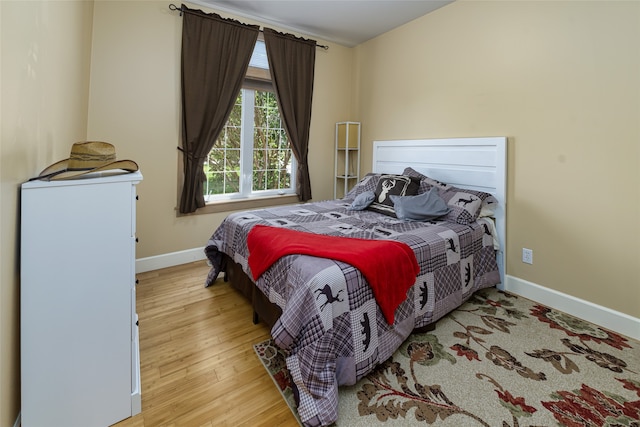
174	7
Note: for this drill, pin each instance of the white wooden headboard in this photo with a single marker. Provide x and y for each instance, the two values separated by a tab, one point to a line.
473	163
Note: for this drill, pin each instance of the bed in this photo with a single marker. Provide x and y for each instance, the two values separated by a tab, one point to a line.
334	321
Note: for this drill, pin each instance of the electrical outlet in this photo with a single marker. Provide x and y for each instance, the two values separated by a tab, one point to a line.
527	255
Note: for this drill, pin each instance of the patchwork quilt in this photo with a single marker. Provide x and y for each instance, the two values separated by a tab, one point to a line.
331	327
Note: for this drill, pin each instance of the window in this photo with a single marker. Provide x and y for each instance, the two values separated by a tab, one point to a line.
251	157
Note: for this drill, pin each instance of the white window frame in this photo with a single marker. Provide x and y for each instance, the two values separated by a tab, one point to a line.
246	159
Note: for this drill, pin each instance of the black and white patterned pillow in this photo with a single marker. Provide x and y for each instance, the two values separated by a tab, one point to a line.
464	204
396	185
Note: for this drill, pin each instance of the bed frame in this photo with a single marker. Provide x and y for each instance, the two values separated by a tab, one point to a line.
472	163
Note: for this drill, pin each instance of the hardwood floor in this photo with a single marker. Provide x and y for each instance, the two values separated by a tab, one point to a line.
198	366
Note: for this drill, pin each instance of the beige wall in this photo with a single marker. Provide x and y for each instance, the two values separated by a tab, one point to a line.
44	83
135	104
562	81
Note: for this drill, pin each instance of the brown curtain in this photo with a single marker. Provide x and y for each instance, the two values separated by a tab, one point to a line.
292	63
215	56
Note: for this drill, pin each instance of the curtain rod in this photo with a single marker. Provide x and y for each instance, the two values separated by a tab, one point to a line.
173	7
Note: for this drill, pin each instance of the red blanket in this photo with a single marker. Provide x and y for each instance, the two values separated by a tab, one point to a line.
390	267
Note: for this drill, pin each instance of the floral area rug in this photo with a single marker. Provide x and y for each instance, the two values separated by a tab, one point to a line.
499	360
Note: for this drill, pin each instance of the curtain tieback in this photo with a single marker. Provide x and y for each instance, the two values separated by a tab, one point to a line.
190	156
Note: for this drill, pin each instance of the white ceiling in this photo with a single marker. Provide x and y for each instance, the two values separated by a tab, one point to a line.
346	22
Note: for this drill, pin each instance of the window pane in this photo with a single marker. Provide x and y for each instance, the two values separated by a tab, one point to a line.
259	114
259	182
273	119
236	113
214	184
231	182
232	160
260	100
215	161
259	138
285	180
259	56
259	160
274	138
233	137
272	159
284	141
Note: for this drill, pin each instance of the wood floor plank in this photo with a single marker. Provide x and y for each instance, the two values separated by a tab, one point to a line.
197	362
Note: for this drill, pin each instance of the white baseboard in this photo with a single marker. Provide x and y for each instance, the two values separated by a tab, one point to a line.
18	420
169	260
594	313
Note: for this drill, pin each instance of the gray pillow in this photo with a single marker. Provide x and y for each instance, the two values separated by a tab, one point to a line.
423	207
465	206
362	201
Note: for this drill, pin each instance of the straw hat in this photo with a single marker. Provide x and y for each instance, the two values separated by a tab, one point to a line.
87	157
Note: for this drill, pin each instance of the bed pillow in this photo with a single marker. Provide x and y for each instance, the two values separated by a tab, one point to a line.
396	185
414	173
425	182
422	207
367	183
465	205
362	201
488	208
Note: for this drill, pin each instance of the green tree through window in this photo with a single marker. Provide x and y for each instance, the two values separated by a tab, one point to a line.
271	153
253	144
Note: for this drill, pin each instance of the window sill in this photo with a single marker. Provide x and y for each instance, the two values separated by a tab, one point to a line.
245	204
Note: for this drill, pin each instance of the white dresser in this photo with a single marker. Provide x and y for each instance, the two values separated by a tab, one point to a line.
80	363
